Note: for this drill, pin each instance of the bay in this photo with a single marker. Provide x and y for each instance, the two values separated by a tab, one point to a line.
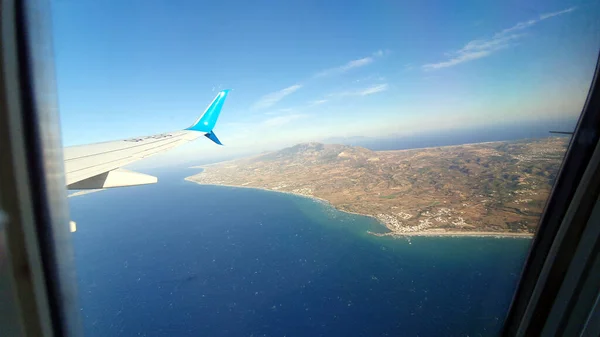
181	259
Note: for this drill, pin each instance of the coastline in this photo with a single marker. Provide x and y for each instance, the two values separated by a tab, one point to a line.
270	190
458	234
438	233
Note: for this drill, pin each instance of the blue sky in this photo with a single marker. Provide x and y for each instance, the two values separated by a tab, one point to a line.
310	70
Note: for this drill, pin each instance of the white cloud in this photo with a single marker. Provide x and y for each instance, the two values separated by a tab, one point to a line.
352	64
356	64
366	91
318	102
362	92
480	48
519	26
271	99
282	120
373	90
549	15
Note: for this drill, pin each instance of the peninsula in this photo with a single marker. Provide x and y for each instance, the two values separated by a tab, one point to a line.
496	188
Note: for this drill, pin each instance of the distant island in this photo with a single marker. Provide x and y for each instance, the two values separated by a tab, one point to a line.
485	189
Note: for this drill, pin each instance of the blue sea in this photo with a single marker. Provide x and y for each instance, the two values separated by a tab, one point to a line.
180	259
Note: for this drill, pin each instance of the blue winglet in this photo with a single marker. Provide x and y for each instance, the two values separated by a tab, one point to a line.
207	121
211	135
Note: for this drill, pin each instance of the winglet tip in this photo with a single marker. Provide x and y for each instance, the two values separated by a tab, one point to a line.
206	122
224	92
211	135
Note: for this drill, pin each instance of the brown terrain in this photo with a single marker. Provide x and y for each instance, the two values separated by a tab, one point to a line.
497	188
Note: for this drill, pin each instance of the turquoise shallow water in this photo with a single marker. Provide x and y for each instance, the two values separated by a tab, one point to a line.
181	259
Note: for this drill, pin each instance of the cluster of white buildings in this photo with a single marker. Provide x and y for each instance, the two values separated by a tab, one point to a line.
428	219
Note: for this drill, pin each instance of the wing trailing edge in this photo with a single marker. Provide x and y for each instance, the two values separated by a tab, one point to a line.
114	178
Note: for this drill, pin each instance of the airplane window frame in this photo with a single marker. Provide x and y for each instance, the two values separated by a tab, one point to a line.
32	176
562	224
39	235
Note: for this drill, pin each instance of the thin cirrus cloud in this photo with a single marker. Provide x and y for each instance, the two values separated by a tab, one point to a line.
359	92
480	48
373	90
351	65
362	92
318	102
271	99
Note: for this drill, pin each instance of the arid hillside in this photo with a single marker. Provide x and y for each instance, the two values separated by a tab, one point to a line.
487	188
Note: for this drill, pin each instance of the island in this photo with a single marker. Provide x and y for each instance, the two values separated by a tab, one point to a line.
483	189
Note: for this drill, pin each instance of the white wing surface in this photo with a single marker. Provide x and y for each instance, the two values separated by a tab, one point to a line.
99	165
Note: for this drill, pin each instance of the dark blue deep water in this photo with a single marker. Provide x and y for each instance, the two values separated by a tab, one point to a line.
180	259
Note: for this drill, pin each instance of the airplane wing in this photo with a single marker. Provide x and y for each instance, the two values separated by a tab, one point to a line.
99	165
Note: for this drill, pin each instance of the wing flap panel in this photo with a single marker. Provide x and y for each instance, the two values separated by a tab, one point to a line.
115	178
